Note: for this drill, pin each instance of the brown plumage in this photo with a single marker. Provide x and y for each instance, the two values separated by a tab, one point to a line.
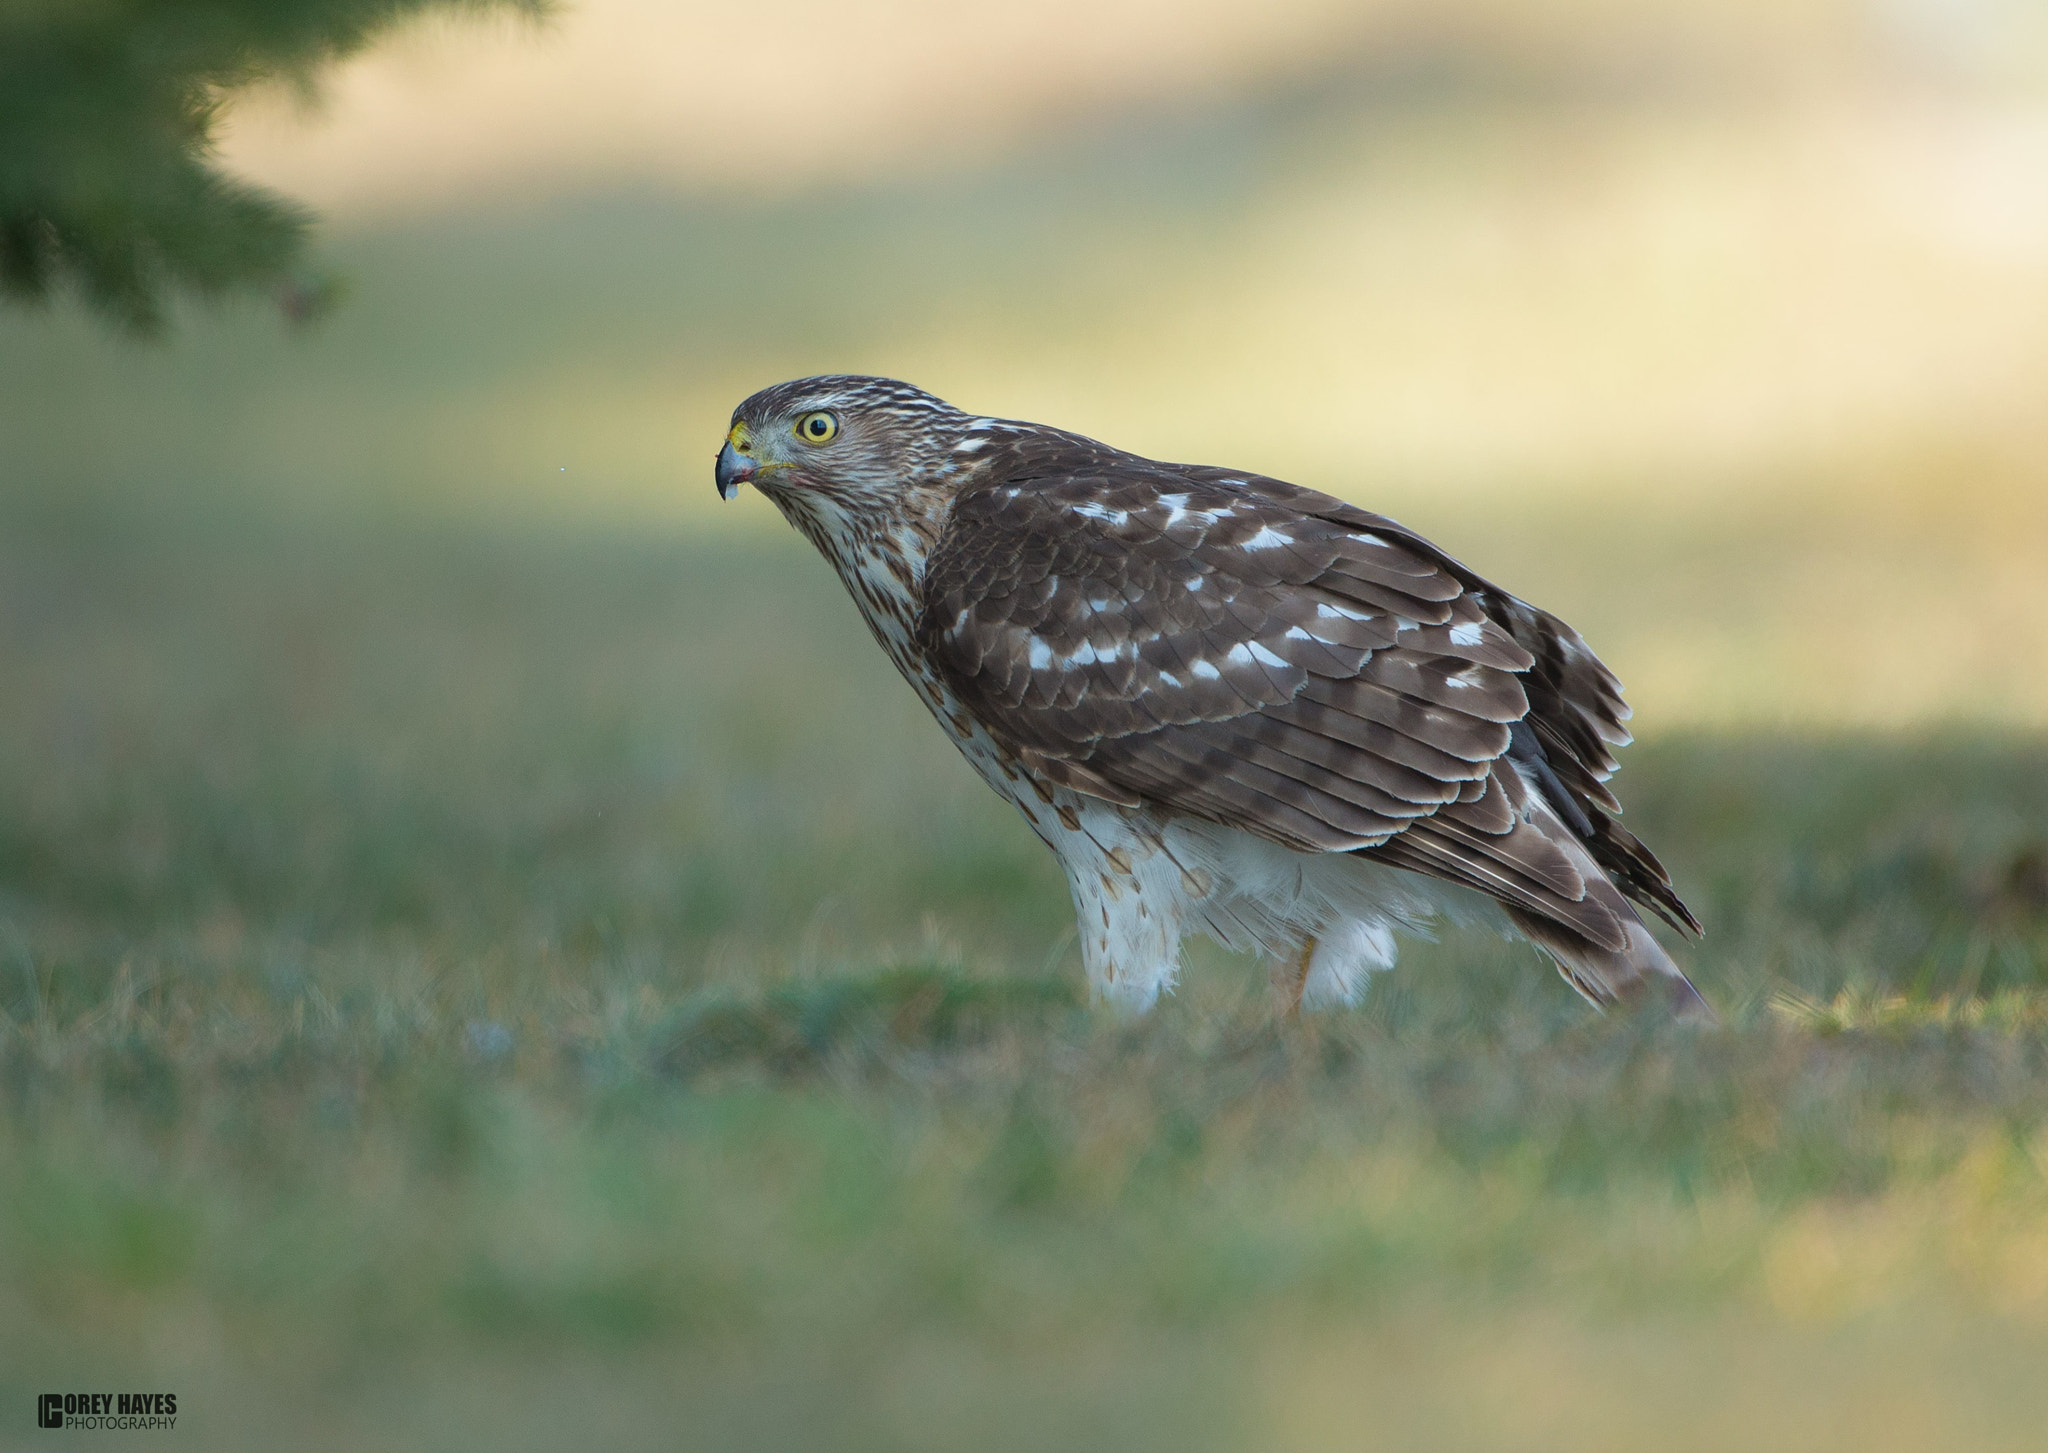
1183	662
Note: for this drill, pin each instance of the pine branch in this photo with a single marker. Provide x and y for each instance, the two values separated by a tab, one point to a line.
108	182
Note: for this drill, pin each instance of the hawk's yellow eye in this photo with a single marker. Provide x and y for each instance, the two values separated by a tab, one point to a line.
817	428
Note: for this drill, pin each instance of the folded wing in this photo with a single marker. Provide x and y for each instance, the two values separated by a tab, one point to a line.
1244	651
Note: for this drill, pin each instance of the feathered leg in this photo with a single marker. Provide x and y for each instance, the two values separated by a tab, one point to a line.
1289	975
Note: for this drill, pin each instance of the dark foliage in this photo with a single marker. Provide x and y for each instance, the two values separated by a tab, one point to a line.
107	114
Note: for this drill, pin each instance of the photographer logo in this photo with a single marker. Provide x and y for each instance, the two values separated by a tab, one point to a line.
112	1411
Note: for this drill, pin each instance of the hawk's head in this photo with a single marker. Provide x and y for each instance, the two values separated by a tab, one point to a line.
839	448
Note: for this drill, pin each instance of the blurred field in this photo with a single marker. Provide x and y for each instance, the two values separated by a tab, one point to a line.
1736	342
490	954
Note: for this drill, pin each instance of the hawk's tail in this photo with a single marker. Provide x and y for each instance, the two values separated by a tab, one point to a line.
1638	972
1509	841
1631	967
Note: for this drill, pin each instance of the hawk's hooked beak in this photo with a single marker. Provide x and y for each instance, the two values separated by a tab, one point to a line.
735	466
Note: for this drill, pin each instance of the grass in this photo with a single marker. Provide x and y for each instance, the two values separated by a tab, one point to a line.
468	988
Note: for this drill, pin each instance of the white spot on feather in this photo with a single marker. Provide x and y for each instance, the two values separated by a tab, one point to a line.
1041	653
1342	613
1203	671
1266	657
1468	633
1104	513
1267	538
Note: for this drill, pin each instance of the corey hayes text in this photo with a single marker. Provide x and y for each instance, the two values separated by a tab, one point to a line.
107	1410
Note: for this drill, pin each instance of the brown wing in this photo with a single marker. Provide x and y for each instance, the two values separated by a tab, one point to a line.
1245	651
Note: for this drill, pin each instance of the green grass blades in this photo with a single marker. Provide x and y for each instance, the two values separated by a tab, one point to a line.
483	989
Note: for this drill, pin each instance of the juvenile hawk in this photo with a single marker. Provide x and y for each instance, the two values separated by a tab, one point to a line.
1229	704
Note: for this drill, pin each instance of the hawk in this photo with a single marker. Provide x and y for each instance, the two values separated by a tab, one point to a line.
1229	704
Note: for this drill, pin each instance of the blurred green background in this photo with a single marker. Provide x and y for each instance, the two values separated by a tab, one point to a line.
490	953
